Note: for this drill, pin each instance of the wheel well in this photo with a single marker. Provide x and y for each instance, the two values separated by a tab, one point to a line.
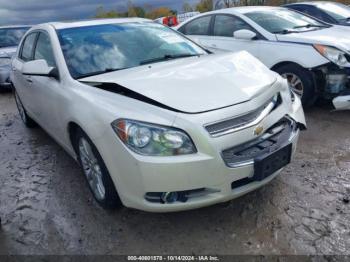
274	68
72	131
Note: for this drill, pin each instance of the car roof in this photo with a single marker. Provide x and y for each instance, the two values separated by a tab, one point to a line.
314	3
14	26
246	9
92	22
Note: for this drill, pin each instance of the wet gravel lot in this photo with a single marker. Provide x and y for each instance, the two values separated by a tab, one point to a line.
46	207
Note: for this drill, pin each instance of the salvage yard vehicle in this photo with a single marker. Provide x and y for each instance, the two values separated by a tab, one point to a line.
156	122
329	12
10	37
312	55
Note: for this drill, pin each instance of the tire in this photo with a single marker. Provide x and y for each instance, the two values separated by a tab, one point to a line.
96	173
27	120
296	74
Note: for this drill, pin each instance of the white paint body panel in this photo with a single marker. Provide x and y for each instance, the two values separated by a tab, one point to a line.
216	81
275	49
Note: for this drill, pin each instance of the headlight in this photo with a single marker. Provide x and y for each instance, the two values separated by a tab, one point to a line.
332	54
153	140
5	61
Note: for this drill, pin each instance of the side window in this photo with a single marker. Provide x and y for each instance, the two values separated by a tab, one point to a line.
199	26
225	25
313	11
44	51
27	47
310	11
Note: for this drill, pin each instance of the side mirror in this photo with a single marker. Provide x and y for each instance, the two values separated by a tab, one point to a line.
244	34
39	68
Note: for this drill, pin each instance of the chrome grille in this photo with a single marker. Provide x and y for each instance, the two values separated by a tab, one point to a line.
275	137
247	120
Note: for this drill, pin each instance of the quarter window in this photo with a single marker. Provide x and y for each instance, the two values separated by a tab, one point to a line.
199	26
27	48
44	51
225	25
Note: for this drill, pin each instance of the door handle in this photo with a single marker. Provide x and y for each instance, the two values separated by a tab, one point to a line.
29	80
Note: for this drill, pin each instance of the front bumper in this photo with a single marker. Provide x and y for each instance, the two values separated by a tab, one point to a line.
204	176
334	84
342	102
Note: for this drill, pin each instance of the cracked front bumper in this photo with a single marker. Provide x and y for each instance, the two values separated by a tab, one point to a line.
342	102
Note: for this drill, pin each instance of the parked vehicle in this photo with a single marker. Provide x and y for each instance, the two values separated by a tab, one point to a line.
156	122
167	20
9	39
329	12
312	55
185	16
174	20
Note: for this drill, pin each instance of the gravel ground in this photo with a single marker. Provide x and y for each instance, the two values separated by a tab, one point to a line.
46	207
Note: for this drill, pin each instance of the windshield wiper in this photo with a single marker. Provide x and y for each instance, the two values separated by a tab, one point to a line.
107	70
285	31
165	58
309	26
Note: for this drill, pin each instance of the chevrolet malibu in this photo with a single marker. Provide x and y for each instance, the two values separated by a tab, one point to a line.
156	122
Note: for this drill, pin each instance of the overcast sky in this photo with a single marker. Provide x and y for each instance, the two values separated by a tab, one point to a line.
37	11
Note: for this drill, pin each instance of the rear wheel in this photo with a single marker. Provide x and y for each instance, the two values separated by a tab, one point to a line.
96	173
301	81
27	120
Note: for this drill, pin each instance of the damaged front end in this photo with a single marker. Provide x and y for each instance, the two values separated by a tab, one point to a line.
333	83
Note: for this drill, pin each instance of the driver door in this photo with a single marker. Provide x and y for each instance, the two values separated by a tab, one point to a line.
47	90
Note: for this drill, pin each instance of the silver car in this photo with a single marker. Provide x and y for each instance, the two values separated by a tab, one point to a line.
10	37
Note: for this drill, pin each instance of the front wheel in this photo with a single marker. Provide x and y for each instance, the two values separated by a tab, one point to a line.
301	82
96	173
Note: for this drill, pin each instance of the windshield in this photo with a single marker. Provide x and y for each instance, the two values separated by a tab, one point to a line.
284	21
336	10
98	49
11	36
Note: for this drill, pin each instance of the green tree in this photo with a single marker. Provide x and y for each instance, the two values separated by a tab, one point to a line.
186	7
140	12
204	6
159	12
101	13
135	11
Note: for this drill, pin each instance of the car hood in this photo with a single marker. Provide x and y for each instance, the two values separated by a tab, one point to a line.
7	51
334	36
195	84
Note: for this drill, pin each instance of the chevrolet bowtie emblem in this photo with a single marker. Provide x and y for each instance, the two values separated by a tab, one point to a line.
258	131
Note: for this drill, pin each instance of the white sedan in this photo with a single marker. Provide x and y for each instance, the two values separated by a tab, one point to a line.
312	55
156	122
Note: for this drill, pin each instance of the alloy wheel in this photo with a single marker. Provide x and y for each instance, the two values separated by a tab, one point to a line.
91	169
295	83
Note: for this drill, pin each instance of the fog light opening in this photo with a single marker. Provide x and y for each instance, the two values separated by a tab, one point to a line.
170	197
